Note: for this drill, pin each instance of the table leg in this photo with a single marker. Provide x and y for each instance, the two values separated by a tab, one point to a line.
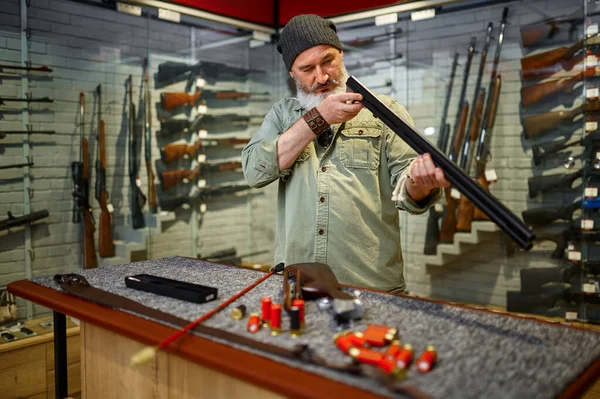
60	356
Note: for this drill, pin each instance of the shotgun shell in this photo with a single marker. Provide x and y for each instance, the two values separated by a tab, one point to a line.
404	357
357	339
300	304
239	312
367	356
265	303
427	359
254	323
379	335
275	319
343	342
393	351
389	367
294	321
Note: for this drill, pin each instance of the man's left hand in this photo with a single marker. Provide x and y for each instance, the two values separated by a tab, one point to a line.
424	177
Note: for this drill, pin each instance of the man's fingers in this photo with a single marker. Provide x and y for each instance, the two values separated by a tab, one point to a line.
441	178
349	97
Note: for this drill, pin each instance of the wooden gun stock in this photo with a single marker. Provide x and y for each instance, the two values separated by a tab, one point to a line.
152	202
477	117
170	101
173	152
231	95
89	251
537	125
481	179
170	178
535	93
462	127
106	246
449	220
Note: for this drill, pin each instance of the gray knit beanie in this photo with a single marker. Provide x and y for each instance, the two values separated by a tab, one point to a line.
303	32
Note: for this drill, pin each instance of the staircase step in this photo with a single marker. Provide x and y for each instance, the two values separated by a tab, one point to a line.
464	242
114	261
124	249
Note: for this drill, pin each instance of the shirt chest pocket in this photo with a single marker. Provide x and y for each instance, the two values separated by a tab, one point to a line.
360	147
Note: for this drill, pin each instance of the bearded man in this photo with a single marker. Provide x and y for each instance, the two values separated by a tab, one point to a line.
342	173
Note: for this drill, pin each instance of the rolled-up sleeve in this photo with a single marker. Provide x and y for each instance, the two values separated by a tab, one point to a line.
259	156
400	155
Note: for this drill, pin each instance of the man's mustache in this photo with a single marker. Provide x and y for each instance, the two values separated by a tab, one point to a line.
318	86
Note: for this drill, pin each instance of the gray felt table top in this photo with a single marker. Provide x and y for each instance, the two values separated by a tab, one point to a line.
480	354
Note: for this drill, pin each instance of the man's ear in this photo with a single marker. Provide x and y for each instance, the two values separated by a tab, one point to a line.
291	74
342	54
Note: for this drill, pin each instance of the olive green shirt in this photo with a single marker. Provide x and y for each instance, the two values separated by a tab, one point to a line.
335	203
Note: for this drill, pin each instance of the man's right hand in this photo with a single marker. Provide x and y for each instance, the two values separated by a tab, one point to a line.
337	107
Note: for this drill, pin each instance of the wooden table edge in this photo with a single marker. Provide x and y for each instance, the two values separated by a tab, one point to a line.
258	370
152	333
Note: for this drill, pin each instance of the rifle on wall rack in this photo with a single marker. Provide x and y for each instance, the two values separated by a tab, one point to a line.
174	152
464	212
170	178
27	99
42	68
559	55
137	198
171	100
538	125
106	245
547	29
172	72
482	154
152	203
449	218
80	171
203	194
432	234
17	165
21	220
4	133
497	212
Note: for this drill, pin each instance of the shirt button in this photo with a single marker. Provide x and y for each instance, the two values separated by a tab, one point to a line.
322	199
360	132
321	232
323	169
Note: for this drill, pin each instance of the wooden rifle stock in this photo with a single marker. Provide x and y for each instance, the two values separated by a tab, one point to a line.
89	250
170	178
536	93
170	101
106	246
549	58
462	127
465	208
449	219
152	202
537	125
173	152
480	167
231	95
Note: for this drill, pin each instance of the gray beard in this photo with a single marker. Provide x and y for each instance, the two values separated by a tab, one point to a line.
309	100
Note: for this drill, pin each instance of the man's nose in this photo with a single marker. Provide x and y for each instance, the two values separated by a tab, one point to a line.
322	77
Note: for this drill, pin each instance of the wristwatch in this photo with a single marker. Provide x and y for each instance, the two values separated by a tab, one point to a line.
316	122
